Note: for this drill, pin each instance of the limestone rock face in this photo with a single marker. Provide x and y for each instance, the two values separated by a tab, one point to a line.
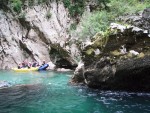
33	35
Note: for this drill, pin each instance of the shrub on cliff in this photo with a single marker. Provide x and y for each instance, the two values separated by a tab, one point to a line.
48	14
94	22
97	21
75	7
16	5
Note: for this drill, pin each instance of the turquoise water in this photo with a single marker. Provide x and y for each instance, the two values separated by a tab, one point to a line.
50	92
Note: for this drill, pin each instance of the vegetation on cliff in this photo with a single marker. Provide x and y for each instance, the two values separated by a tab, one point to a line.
99	20
102	12
16	5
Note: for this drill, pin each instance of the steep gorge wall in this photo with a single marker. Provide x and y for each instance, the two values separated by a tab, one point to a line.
33	35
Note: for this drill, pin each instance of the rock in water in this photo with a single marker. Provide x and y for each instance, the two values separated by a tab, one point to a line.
127	68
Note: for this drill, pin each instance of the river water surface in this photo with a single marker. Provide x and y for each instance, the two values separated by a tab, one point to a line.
50	92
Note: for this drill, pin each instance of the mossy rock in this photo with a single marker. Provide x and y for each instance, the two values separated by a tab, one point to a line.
141	55
115	53
90	51
124	57
148	53
129	55
97	43
112	60
99	40
97	35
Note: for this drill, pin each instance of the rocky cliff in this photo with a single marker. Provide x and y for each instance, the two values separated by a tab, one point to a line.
37	33
119	59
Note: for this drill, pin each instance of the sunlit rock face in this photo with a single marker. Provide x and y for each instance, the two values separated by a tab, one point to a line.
33	33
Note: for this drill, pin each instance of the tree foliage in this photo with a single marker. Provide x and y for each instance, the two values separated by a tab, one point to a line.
75	7
16	5
99	21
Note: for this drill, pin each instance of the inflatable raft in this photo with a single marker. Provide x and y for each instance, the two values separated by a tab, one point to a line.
41	68
25	69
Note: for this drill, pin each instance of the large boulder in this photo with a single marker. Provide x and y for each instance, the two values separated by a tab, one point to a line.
79	73
125	74
122	62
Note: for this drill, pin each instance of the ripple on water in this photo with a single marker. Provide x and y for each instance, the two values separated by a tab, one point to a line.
18	96
124	102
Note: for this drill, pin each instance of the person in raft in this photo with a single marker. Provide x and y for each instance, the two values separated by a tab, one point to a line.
29	65
19	66
35	63
43	63
25	64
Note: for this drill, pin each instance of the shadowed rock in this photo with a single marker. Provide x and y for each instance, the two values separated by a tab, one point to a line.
113	69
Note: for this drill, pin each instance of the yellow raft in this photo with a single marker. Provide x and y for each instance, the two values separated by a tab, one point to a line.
25	69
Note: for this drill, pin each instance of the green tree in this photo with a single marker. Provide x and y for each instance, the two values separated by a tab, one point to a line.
16	5
75	7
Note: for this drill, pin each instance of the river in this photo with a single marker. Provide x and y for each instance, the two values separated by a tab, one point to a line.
50	92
